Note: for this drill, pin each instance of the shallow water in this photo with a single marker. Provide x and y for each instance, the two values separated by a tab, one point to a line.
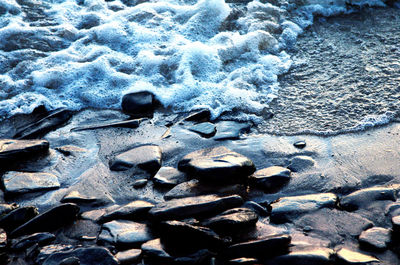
191	54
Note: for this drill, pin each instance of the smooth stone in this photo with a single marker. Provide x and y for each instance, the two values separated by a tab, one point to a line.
23	182
196	188
194	206
317	256
186	237
230	130
86	256
27	241
18	217
348	256
300	144
138	103
217	165
376	238
125	233
6	208
243	261
301	163
120	124
41	127
232	220
271	178
68	150
146	157
48	221
140	183
203	256
393	209
76	197
201	115
154	250
3	239
205	129
169	177
286	207
15	149
70	261
396	223
131	211
259	209
364	197
129	256
269	246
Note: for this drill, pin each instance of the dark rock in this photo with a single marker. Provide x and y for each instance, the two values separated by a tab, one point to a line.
270	179
131	211
376	238
361	198
70	261
68	150
86	256
138	103
269	246
154	250
396	224
123	233
24	182
15	149
27	241
205	129
301	163
120	124
6	208
169	177
146	157
46	251
129	256
198	116
316	256
217	165
232	220
259	209
48	221
230	130
194	206
203	256
139	183
196	188
18	217
76	197
286	207
3	239
393	209
41	127
243	261
300	144
183	237
347	256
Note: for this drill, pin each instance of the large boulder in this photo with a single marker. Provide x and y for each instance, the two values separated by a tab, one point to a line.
217	165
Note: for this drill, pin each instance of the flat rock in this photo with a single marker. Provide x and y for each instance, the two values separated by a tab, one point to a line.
25	242
125	233
300	144
196	188
376	238
259	209
348	256
129	256
131	211
140	183
183	236
232	220
270	179
269	246
73	150
230	130
217	165
203	256
16	149
301	163
78	198
146	157
23	182
6	208
138	103
18	217
244	261
194	206
317	256
361	198
286	207
154	250
48	221
205	129
169	177
396	223
86	256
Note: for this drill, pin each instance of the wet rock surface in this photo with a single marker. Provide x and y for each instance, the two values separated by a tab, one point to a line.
270	179
23	182
14	149
376	237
